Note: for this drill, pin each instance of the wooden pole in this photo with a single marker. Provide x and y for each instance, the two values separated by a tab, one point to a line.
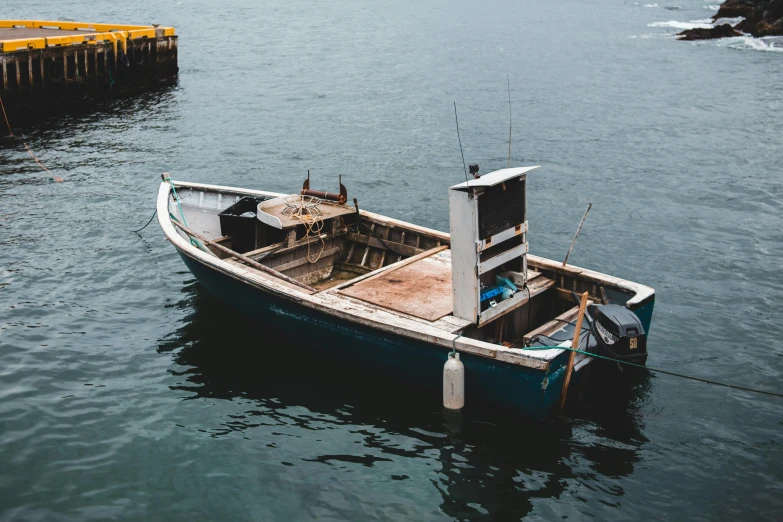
575	346
589	206
245	259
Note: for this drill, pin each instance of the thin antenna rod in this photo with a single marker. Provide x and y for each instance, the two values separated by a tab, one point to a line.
508	83
460	145
589	206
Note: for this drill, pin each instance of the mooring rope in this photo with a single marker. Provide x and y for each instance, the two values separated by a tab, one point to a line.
30	152
148	222
6	118
657	370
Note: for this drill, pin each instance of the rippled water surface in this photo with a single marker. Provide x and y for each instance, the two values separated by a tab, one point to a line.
128	393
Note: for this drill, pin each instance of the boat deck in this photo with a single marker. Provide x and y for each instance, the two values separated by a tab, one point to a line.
421	289
418	288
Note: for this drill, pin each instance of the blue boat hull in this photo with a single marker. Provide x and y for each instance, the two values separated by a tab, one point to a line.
531	392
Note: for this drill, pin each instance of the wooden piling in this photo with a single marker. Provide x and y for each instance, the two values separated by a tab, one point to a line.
575	346
76	65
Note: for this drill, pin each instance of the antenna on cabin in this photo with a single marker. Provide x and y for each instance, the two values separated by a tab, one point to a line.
460	145
508	84
565	261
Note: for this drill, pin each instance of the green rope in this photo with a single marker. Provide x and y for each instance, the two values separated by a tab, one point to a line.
193	241
176	198
658	370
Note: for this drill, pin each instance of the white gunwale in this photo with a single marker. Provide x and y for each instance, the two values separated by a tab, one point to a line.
440	333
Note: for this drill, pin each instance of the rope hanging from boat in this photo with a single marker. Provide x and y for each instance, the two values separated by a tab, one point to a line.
148	222
657	370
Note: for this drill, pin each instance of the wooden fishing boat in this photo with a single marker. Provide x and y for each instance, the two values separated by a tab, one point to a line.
398	298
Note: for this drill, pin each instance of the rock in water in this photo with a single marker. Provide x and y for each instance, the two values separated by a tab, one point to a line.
721	31
761	18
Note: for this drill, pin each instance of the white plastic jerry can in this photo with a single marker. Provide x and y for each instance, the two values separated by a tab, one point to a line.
453	383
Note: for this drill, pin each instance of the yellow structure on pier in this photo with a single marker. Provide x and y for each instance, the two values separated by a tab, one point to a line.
52	62
39	34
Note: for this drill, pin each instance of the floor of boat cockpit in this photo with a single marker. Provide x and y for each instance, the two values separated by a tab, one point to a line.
421	289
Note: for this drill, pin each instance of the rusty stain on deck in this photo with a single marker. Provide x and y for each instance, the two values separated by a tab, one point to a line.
421	289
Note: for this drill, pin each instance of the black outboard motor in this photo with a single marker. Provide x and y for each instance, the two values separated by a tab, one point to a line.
618	331
611	330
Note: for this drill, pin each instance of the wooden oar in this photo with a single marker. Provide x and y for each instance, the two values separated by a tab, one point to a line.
245	259
575	345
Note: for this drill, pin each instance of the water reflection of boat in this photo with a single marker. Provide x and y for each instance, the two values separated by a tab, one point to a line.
472	459
396	297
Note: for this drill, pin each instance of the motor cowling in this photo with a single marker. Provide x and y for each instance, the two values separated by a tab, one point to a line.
619	333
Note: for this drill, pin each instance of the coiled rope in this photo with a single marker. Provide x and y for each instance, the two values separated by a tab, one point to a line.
657	370
313	227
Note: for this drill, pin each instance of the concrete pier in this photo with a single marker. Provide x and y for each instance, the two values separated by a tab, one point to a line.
45	62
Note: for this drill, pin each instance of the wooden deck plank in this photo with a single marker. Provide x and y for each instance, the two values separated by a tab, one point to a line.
388	268
236	262
421	289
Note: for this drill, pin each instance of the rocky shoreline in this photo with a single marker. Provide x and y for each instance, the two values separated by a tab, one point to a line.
761	18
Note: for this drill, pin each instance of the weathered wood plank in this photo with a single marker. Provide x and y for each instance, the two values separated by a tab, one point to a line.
398	248
367	250
575	346
552	326
568	296
303	260
421	289
392	267
356	269
241	257
5	72
410	227
383	253
402	241
262	275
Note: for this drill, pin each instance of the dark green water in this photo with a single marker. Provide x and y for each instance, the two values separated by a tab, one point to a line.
129	393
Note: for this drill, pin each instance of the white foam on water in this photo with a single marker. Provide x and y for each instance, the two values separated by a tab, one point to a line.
695	24
748	43
650	5
730	21
711	7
